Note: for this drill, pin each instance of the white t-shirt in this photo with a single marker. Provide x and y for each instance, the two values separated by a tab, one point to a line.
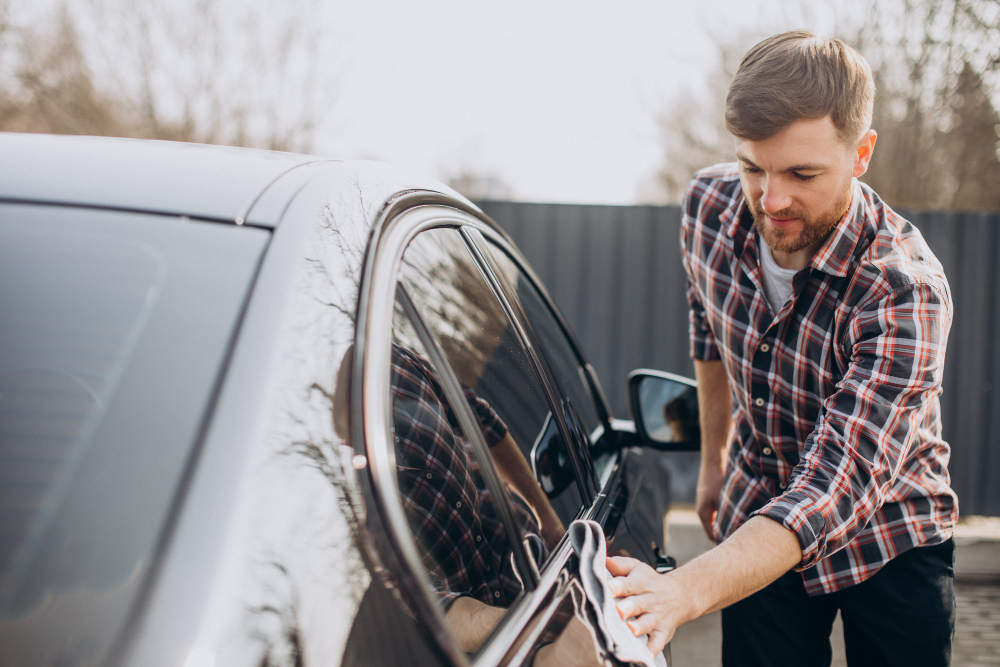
777	280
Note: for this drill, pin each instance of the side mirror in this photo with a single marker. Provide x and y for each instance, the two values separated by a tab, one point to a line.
665	410
550	461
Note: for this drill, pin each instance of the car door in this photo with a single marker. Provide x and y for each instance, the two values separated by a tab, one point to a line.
450	375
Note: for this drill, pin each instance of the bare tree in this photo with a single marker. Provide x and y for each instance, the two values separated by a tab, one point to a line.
478	185
211	71
937	72
937	69
693	131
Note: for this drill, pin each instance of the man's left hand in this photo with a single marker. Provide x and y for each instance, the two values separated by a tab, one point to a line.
651	603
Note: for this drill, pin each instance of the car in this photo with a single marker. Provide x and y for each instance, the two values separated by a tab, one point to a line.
244	394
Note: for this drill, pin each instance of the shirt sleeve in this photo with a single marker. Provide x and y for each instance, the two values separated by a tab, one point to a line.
867	427
492	426
702	340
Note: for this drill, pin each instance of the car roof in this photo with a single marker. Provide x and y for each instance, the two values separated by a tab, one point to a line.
196	180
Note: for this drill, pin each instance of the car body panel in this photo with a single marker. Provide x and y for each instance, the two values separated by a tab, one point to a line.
230	583
210	182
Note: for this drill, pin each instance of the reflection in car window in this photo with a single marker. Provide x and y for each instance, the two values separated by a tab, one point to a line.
563	361
291	576
452	513
483	348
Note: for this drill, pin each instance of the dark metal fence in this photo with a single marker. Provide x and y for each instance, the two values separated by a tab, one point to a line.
616	274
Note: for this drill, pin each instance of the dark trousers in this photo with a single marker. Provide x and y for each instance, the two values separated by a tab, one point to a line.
903	615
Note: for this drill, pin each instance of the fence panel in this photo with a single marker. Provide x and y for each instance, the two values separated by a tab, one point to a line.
616	274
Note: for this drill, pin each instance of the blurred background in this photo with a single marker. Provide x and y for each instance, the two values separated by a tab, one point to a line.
574	124
561	101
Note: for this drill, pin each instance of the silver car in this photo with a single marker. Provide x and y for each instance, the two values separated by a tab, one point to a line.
270	409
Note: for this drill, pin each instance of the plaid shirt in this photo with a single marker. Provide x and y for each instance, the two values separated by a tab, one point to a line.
450	511
835	398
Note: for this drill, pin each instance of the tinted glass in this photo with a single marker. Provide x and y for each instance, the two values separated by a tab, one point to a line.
454	517
563	362
115	327
481	345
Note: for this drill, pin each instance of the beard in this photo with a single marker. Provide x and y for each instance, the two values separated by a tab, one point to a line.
814	229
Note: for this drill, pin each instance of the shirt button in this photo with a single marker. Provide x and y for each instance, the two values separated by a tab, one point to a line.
479	538
488	568
458	504
783	485
429	476
496	594
759	402
767	451
765	347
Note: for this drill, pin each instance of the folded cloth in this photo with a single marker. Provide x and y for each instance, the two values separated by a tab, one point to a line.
587	538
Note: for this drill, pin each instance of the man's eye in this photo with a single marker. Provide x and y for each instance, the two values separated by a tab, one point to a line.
804	177
751	170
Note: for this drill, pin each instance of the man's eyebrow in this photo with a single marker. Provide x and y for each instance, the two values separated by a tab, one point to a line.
804	167
797	167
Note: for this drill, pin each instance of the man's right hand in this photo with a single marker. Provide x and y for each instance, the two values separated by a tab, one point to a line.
710	481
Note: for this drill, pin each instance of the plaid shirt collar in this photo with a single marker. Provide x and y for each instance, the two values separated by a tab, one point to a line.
833	257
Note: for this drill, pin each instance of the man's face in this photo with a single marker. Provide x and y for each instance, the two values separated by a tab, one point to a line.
797	183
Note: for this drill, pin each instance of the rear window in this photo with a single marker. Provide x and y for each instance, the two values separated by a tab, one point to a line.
113	331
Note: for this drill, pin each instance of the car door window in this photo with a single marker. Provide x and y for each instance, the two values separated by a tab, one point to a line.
563	362
455	517
482	347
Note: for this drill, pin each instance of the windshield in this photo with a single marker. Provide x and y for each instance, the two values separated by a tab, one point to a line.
114	329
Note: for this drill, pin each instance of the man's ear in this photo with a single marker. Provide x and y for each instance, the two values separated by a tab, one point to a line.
863	152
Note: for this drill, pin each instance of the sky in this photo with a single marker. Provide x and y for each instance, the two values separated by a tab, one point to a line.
559	99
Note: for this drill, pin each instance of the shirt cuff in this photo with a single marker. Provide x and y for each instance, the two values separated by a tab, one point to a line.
447	598
800	514
703	348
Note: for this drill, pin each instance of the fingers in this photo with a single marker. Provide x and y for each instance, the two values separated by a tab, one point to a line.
620	566
635	605
657	641
640	579
642	625
707	515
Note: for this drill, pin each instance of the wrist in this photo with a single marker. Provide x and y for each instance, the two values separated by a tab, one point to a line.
686	590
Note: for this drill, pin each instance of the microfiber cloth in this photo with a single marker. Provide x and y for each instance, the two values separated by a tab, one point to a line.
587	538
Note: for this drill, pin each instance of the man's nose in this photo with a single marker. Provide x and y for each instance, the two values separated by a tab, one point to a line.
775	197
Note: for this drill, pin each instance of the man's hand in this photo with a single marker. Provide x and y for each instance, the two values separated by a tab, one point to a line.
759	552
710	480
654	601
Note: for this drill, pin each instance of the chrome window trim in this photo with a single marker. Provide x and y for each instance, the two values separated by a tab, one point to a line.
402	219
371	421
501	643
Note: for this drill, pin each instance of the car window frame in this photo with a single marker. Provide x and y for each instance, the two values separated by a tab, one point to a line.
402	219
599	400
540	365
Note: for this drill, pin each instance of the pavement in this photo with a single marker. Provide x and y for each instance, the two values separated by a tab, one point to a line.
977	595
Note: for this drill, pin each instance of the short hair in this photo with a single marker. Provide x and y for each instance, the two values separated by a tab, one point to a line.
797	75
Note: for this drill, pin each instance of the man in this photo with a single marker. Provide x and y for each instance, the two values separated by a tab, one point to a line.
819	320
